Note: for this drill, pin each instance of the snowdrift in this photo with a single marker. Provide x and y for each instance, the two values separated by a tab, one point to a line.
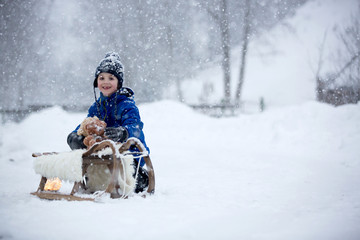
288	173
291	172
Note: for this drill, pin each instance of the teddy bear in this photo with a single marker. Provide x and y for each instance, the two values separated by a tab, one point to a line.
93	129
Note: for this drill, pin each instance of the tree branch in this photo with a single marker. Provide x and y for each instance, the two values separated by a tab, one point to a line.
347	65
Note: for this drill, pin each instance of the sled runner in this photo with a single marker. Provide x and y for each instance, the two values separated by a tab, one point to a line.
112	159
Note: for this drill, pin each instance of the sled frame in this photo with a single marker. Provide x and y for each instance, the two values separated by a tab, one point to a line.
111	161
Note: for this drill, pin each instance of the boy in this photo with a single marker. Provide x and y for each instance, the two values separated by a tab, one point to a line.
116	107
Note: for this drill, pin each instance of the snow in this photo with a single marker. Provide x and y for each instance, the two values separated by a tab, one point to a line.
281	65
291	172
287	173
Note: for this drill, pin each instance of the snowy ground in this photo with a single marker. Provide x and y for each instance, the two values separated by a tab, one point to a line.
287	173
291	172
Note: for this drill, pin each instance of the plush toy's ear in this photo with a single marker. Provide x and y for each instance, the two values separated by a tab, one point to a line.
103	124
81	130
84	129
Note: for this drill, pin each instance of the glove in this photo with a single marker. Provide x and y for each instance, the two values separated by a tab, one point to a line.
75	141
119	134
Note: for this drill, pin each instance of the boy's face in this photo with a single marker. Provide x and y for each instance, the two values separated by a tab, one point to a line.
107	83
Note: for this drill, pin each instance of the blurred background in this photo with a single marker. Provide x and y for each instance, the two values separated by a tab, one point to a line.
49	49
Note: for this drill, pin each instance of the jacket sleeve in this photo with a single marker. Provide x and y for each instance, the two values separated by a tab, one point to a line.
129	117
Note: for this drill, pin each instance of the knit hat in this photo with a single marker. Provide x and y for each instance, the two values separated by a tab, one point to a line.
111	64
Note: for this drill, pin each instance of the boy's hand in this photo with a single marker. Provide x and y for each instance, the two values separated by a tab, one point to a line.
75	141
119	134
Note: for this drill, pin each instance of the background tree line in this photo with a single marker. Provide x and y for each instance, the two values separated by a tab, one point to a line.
341	84
50	48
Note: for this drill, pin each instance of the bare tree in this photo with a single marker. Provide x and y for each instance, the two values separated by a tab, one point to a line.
220	15
225	39
350	37
244	50
320	63
160	43
341	85
22	35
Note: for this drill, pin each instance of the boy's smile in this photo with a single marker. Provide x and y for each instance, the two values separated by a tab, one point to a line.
107	83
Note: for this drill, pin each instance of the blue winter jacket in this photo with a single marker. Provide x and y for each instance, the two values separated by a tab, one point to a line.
117	110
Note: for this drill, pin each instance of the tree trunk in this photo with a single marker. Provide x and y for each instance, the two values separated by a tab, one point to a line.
225	39
173	74
244	50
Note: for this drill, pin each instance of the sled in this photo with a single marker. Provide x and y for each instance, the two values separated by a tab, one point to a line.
114	163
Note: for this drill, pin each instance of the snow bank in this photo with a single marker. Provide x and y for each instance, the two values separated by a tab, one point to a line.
291	172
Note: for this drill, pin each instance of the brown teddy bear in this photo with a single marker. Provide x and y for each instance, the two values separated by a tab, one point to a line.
93	129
